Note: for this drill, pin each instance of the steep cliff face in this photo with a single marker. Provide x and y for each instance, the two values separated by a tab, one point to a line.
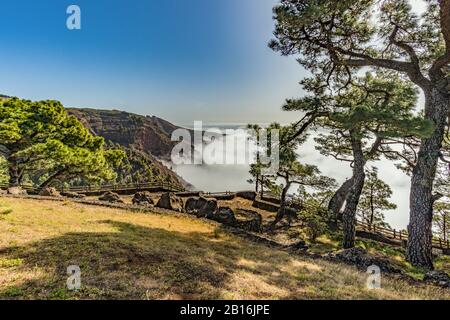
144	133
145	139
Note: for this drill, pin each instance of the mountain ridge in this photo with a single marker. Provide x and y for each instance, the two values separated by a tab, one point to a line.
145	139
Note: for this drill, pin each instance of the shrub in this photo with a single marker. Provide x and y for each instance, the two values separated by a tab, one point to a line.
314	224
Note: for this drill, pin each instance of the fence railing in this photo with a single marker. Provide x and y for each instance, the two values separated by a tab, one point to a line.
218	193
400	235
108	187
123	187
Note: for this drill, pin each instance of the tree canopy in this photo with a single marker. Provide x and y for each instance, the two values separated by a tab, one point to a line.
41	141
335	40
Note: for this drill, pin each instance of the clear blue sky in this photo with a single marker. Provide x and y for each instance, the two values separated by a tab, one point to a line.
182	60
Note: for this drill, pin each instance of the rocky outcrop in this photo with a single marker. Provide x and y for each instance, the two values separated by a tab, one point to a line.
226	216
144	133
72	195
144	139
201	207
170	201
363	260
438	277
188	194
299	246
264	205
110	197
208	209
249	220
248	195
143	199
16	191
49	192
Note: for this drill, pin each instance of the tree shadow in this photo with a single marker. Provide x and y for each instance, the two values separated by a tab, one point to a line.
135	262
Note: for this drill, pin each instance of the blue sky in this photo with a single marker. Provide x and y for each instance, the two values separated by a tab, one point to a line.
182	60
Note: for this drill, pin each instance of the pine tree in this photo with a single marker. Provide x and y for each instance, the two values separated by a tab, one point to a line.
337	39
42	141
358	121
375	200
441	220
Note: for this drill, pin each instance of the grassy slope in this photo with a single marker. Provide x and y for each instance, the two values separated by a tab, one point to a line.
143	256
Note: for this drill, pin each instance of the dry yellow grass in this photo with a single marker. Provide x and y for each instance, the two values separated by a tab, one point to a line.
148	256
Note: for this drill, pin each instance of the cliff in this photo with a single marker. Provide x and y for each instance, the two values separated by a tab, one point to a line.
145	139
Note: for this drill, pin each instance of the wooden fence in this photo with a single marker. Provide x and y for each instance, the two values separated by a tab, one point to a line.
124	187
400	235
109	187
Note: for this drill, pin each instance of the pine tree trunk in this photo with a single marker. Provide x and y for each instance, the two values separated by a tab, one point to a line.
337	201
281	212
372	209
349	216
419	249
14	173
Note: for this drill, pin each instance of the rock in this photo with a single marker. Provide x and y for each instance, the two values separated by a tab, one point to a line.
49	192
362	260
171	202
16	191
110	197
249	220
248	195
143	199
208	209
224	197
267	206
299	246
273	200
291	214
188	194
226	216
73	195
191	205
438	277
201	207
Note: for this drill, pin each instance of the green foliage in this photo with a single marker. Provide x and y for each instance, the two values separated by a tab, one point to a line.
441	219
374	200
139	167
334	37
45	144
3	171
290	171
314	219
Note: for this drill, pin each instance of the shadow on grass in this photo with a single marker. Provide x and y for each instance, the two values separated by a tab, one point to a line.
134	262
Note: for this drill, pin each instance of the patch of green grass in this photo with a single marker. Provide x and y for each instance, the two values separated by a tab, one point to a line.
61	294
12	292
10	263
443	263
